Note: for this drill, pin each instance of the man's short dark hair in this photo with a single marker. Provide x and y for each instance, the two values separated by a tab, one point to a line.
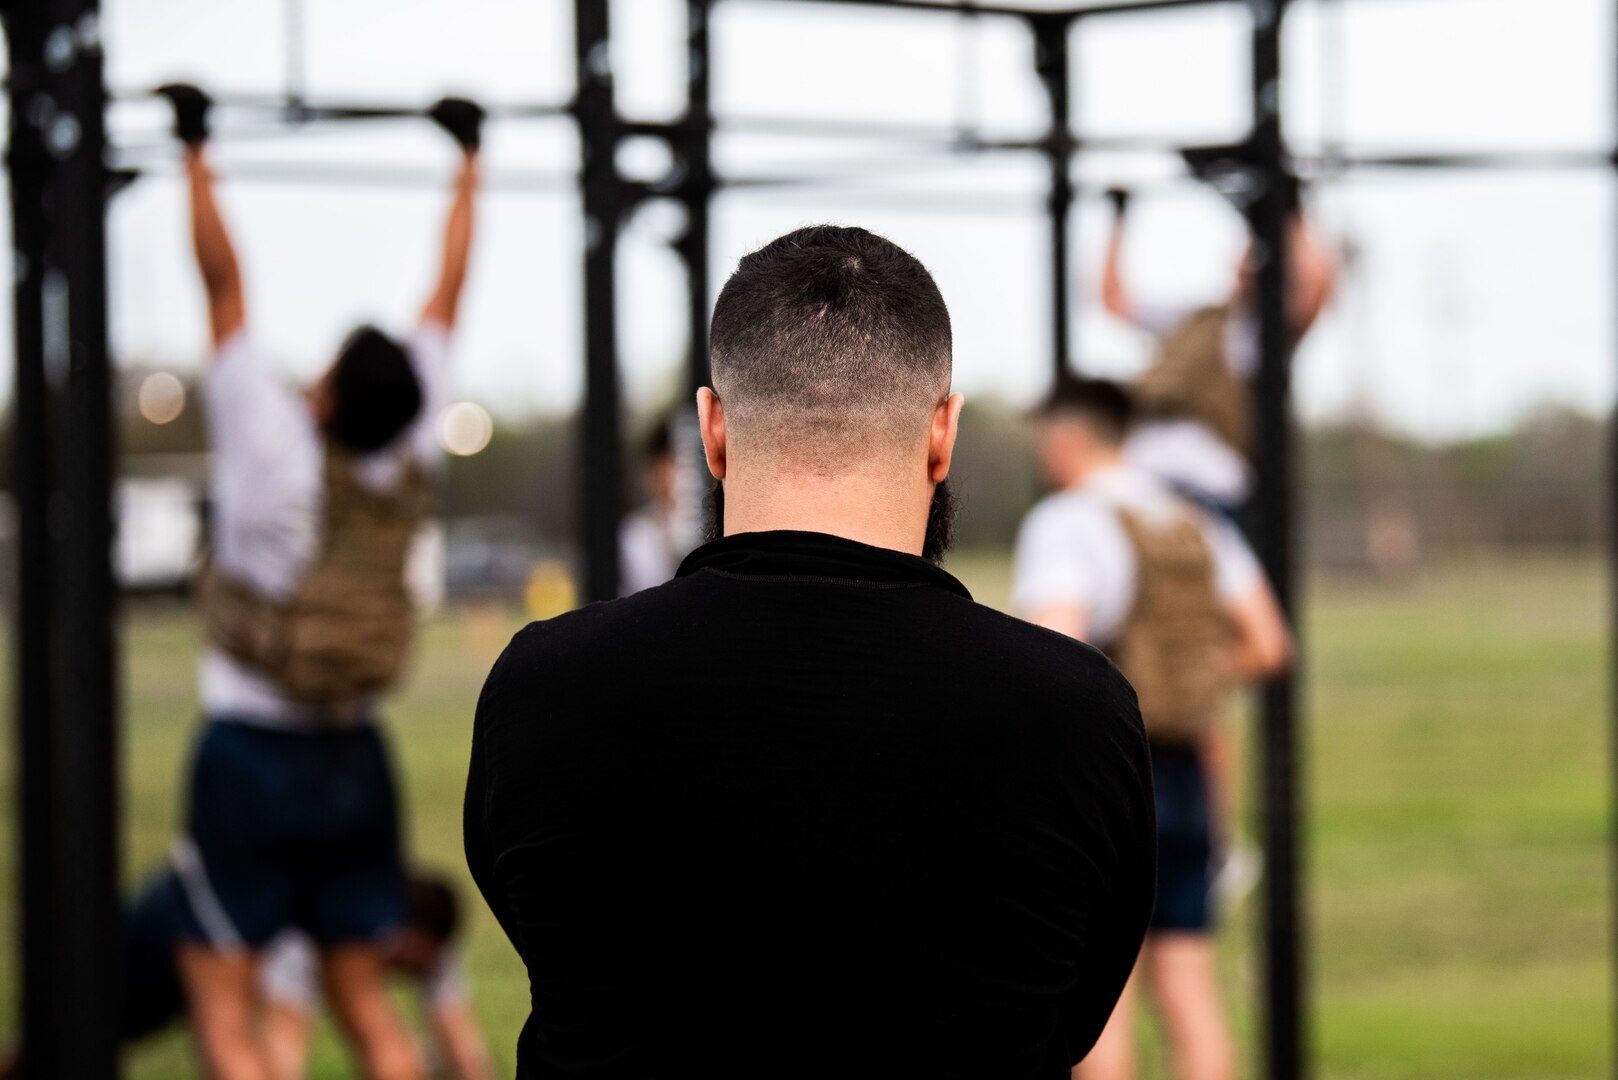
375	392
1104	406
432	907
827	341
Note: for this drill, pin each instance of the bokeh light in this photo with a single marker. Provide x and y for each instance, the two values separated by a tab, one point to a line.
465	428
161	398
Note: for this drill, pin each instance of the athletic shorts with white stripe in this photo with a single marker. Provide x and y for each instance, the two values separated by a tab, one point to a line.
290	828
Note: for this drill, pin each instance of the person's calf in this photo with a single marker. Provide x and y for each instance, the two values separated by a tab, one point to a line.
356	982
222	992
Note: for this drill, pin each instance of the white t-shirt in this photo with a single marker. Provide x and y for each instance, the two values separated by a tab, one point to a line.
1072	550
647	551
290	975
266	482
1187	452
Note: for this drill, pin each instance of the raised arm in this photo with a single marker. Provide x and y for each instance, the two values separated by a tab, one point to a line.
463	120
1114	295
216	256
444	301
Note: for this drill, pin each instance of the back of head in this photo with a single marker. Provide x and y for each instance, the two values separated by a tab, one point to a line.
374	390
431	906
829	344
1103	407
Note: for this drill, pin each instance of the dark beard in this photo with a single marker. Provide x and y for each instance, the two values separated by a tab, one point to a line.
939	538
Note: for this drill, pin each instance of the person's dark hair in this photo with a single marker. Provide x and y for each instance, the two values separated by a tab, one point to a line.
375	392
432	907
1103	405
827	341
659	441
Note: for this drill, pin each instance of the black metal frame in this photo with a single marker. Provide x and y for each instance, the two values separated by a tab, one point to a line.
66	685
65	659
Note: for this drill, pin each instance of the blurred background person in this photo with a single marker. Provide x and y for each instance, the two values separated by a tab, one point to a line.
291	817
1173	594
1195	400
424	954
648	542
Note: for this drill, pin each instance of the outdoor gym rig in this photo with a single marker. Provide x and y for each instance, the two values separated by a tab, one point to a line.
62	171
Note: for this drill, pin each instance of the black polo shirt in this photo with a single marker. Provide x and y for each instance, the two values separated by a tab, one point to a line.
807	810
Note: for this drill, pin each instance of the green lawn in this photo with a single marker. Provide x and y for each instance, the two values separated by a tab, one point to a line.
1457	817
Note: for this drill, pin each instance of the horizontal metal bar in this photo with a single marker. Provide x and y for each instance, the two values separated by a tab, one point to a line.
921	202
940	8
1118	7
1134	7
1323	166
291	109
345	175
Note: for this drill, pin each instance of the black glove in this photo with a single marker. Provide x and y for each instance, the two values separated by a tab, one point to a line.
463	120
1119	198
191	107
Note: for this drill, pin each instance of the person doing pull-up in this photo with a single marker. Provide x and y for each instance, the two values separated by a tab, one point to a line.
1195	400
291	818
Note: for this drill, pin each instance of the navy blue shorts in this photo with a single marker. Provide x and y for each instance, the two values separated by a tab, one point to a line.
1184	841
290	828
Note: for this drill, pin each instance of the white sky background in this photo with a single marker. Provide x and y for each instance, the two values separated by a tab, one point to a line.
1478	296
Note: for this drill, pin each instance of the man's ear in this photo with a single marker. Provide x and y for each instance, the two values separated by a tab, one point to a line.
941	439
711	419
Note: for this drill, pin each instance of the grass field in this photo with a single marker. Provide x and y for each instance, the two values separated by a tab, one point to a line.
1457	818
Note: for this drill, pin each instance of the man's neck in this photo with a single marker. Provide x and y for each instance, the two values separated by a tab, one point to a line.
871	509
1094	466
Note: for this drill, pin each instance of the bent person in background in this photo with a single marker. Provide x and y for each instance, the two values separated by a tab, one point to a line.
807	810
291	816
423	953
1176	598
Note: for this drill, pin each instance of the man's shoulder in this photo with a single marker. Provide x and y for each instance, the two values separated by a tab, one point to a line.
1041	659
609	627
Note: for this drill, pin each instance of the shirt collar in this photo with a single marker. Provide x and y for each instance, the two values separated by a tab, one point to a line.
785	553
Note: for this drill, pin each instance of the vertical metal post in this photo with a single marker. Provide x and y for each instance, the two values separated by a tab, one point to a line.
31	484
1285	1035
696	153
1051	63
694	146
67	699
600	450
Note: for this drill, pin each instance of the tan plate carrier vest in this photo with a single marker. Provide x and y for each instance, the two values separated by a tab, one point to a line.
346	629
1174	645
1191	378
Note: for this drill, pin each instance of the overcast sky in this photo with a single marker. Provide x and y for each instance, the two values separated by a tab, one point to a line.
1476	298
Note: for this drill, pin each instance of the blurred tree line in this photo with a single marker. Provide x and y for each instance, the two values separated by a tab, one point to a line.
1370	500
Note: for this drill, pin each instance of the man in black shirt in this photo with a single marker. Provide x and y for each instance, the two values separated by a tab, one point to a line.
807	810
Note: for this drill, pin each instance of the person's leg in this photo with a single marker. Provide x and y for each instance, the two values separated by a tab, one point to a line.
235	891
1113	1056
356	890
356	986
1185	979
286	1031
222	989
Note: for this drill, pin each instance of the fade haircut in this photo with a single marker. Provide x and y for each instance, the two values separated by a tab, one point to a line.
828	342
1101	405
